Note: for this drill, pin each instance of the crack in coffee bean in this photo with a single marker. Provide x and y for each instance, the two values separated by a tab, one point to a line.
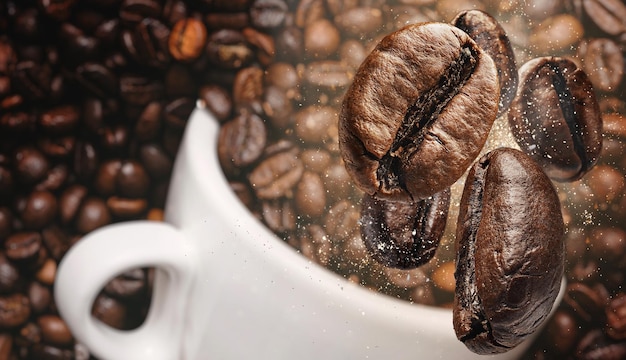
420	116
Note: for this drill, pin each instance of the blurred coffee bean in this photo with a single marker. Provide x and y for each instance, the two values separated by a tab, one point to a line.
608	245
595	345
40	297
290	43
23	247
6	221
228	49
39	210
563	331
217	100
9	275
155	160
276	175
248	90
606	183
32	80
342	221
187	39
76	46
125	207
57	147
14	310
321	39
310	195
54	330
148	43
114	139
360	22
277	107
608	16
132	180
138	90
110	311
328	75
586	302
241	141
177	112
97	80
312	123
555	34
6	345
616	317
603	61
148	123
85	160
106	175
267	14
55	178
47	272
59	120
69	202
92	214
49	352
134	11
278	215
56	241
30	165
127	285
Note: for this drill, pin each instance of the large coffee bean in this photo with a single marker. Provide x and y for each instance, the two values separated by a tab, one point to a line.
418	112
404	234
555	117
492	38
510	252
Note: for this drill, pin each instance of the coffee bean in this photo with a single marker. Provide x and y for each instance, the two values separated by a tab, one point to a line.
596	345
9	276
57	147
603	62
608	245
138	90
510	219
443	277
328	75
30	165
267	14
392	131
188	39
276	175
14	310
342	221
279	215
234	20
241	141
315	245
228	49
125	207
360	22
313	123
587	302
23	247
264	44
132	180
92	214
290	43
177	112
563	331
491	37
44	351
47	272
56	241
403	234
39	296
248	90
134	11
316	160
555	34
54	330
40	210
97	80
277	107
555	117
148	43
321	39
127	285
608	15
310	195
217	100
61	119
85	160
156	161
6	221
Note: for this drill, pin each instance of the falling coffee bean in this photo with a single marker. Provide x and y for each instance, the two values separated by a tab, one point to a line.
510	252
555	117
417	115
403	235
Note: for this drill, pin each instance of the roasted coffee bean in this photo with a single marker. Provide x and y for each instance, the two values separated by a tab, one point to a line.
241	141
263	43
23	247
85	160
596	345
138	90
177	112
342	222
555	34
54	330
235	20
290	43
70	201
491	37
155	160
187	39
248	90
328	75
228	49
555	117
267	14
278	215
277	107
603	62
32	80
310	195
217	100
312	124
55	178
6	221
408	109
132	180
276	175
134	11
608	15
14	310
49	352
563	331
40	297
510	252
125	207
92	214
315	245
148	43
57	147
608	245
9	275
321	39
47	272
39	210
360	21
127	285
6	183
97	80
616	317
403	235
77	47
587	302
59	120
30	165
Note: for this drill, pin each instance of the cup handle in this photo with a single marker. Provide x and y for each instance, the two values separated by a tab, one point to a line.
109	251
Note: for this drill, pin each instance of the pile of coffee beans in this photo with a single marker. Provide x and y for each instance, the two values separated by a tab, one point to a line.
94	96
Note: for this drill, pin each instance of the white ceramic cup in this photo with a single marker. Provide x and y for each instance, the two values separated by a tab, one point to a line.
227	288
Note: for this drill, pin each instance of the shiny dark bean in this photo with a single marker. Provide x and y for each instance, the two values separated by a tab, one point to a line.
510	252
403	235
555	117
14	310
